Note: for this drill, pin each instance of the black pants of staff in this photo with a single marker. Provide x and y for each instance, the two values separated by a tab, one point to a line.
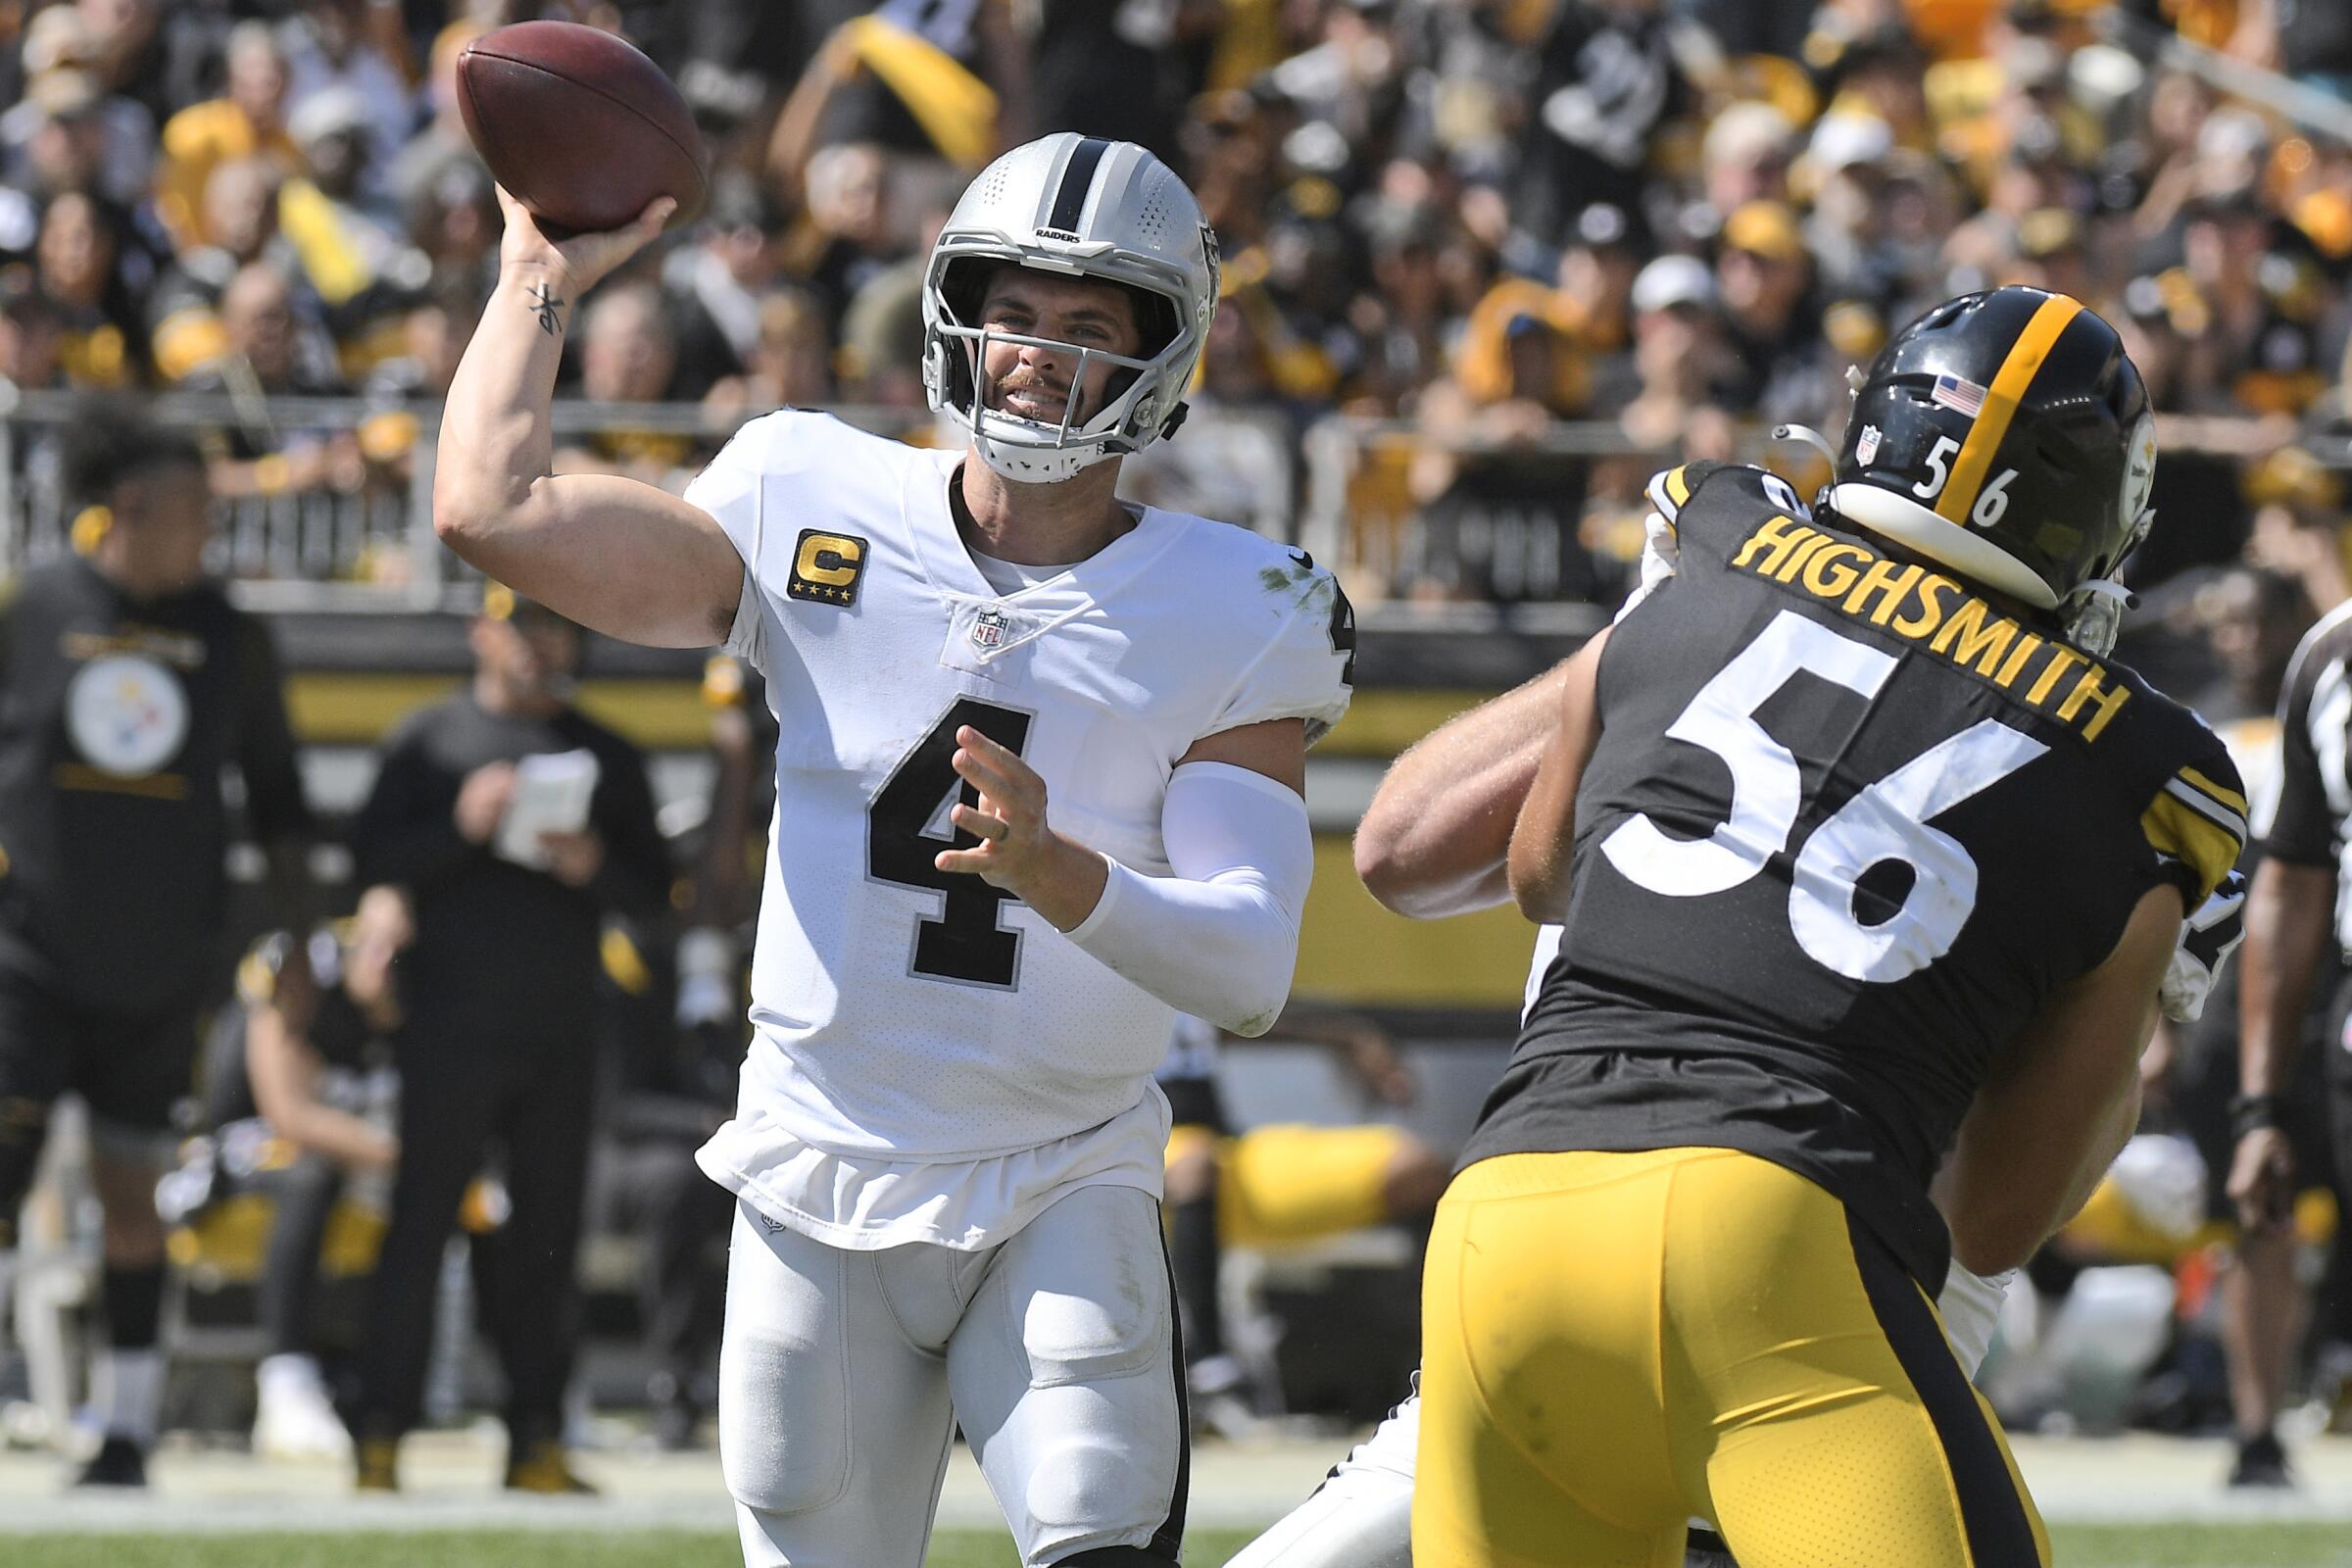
684	1217
459	1097
305	1194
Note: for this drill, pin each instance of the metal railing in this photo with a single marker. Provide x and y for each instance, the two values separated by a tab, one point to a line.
370	546
1502	528
1517	534
365	546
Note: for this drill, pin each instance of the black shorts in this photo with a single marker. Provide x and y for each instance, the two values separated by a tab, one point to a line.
134	1069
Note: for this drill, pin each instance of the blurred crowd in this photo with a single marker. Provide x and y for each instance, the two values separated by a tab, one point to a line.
1685	217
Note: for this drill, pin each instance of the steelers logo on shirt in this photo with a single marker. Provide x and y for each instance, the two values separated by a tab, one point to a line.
126	714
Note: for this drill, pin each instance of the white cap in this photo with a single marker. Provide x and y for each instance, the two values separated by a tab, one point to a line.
1673	281
1844	139
1744	129
329	112
2228	135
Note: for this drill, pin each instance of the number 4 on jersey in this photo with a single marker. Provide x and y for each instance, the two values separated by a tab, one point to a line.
966	942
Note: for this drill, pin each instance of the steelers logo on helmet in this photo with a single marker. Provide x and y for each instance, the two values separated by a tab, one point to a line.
2013	445
126	714
1077	207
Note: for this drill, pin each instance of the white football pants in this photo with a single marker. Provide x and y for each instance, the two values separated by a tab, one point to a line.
843	1377
1362	1515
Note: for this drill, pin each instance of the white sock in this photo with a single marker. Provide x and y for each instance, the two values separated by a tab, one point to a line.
289	1375
128	1390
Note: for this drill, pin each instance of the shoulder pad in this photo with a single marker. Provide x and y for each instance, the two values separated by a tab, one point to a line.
1308	669
2197	818
1671	489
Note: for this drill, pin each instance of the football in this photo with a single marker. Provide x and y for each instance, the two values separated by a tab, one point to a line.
579	125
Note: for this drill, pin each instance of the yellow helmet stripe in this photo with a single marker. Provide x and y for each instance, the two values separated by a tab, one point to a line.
2025	359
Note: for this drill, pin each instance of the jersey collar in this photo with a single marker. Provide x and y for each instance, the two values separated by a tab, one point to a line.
951	570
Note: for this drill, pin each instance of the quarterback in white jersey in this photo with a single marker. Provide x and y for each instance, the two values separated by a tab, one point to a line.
921	1018
1037	787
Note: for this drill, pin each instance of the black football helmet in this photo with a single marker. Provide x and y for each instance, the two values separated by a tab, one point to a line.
2007	436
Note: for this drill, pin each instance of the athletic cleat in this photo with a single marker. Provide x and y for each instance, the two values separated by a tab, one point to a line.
545	1468
375	1464
118	1462
296	1421
1704	1548
2260	1462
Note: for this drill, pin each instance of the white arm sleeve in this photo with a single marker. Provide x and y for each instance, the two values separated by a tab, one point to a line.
1219	937
1970	1309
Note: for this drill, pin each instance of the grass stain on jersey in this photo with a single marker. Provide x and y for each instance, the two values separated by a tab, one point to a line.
1299	581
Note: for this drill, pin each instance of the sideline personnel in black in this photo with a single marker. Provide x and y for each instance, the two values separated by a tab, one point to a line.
128	685
495	1046
2297	903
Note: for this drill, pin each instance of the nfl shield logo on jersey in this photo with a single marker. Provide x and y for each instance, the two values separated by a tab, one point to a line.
988	628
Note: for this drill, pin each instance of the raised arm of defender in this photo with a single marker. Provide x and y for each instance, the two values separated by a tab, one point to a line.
1431	843
624	558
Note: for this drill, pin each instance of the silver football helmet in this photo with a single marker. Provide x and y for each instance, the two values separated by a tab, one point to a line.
1082	207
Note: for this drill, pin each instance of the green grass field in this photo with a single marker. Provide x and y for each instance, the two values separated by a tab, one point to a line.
2234	1545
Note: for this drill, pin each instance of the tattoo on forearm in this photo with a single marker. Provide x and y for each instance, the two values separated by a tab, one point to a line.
545	305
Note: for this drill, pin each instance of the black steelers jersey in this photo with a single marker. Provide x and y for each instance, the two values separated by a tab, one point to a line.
1847	825
305	978
116	721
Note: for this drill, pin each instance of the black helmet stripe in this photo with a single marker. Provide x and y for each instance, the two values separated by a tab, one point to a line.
1077	179
2026	357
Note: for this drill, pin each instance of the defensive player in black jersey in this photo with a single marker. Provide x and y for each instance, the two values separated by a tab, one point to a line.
1869	865
127	685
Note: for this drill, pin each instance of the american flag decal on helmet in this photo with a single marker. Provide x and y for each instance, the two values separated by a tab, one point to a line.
1958	392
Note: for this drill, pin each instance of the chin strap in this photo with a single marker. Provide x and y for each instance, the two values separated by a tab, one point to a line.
2093	613
1809	436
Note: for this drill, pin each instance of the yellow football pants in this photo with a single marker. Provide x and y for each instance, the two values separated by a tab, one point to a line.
1615	1342
1290	1182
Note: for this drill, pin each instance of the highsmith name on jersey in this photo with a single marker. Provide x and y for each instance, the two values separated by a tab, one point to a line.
1848	824
901	1012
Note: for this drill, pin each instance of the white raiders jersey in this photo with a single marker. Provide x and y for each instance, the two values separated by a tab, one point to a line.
900	1013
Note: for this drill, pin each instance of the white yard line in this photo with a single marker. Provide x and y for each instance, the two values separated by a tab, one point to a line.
450	1475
